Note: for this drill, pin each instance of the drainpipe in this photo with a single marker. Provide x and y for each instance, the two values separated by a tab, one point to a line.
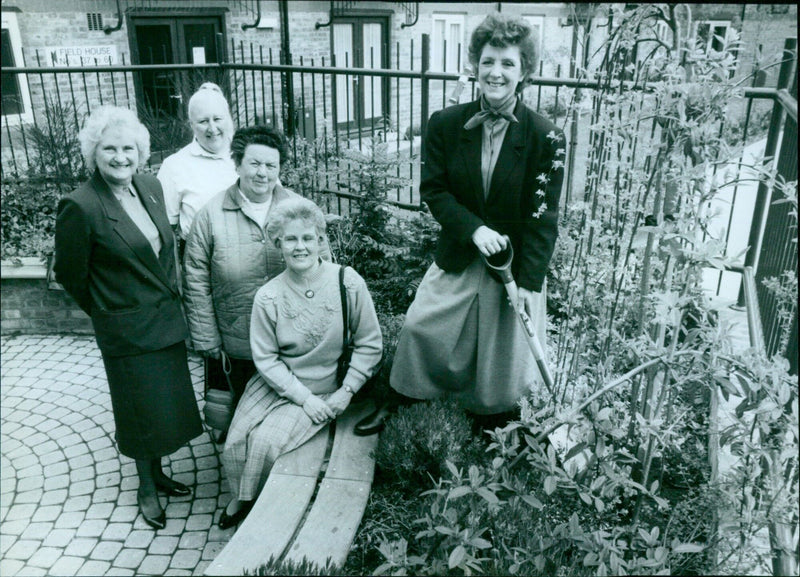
287	81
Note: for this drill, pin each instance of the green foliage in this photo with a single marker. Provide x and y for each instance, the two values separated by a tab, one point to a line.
420	439
640	359
28	218
54	143
168	132
304	567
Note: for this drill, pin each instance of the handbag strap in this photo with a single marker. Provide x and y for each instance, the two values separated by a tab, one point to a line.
343	294
226	368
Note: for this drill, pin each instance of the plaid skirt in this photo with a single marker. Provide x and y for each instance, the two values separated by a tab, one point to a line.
264	427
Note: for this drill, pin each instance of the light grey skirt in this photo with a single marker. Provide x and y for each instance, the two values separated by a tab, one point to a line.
264	427
462	339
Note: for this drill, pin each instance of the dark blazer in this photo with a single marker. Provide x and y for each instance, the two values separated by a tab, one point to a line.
451	186
105	262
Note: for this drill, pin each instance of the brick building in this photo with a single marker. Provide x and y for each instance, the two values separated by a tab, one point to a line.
365	34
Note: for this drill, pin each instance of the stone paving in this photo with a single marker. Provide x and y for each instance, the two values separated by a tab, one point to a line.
67	497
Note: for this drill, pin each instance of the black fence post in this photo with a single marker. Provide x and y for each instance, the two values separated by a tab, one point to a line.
287	78
762	195
424	82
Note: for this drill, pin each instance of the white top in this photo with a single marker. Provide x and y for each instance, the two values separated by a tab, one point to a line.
259	211
190	177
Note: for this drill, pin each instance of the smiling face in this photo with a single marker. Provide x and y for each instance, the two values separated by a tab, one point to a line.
258	171
117	156
499	72
300	244
211	123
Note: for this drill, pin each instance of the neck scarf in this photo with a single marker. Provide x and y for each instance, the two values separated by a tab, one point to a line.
504	110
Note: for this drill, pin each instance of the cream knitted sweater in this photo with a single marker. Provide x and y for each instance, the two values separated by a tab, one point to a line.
297	341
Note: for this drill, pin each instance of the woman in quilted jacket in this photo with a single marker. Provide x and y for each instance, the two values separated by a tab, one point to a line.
228	255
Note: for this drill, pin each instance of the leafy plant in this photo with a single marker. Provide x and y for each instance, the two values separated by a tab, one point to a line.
54	141
420	439
168	132
28	218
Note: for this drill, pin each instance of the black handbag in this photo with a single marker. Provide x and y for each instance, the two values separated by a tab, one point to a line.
347	339
220	404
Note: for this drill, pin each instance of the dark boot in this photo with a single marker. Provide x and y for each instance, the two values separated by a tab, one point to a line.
491	422
374	422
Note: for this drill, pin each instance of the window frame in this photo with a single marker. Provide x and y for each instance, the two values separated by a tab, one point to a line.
712	24
436	56
9	22
537	20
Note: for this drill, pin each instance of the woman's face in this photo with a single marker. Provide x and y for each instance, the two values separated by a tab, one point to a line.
117	156
258	171
300	245
210	123
499	72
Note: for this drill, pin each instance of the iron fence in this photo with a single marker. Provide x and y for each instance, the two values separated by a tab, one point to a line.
338	116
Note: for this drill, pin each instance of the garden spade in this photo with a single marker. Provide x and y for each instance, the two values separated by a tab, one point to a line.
560	438
504	270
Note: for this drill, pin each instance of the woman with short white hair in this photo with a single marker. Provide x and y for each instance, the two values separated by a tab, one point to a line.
203	167
114	254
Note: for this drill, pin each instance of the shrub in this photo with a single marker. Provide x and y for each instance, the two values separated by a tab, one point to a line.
28	218
54	140
419	440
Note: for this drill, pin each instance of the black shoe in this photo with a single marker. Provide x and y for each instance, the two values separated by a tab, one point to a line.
221	437
226	521
372	423
158	522
173	488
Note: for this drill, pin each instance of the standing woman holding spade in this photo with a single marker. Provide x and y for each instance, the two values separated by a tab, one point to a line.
492	170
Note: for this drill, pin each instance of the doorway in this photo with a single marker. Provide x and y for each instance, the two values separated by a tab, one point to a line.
360	42
177	39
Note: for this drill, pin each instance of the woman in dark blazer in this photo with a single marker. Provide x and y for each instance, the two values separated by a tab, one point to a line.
490	168
115	256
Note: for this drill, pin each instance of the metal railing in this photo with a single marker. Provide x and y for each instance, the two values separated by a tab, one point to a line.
362	104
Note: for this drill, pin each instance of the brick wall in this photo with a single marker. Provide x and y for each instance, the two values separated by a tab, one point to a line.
28	306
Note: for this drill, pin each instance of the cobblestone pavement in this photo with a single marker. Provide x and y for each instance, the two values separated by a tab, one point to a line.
67	497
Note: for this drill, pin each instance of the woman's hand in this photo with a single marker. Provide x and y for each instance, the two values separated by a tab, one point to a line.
528	301
211	353
488	241
339	401
317	410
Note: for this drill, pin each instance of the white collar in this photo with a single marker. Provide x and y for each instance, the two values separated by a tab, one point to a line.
196	150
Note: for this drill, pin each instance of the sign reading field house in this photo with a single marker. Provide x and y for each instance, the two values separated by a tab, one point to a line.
80	55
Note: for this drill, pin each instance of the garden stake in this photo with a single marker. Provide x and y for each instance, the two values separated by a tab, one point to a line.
504	270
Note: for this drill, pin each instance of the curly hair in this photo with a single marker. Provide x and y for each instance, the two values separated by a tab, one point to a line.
500	31
264	135
108	116
295	208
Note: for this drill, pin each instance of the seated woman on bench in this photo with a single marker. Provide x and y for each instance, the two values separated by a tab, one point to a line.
296	337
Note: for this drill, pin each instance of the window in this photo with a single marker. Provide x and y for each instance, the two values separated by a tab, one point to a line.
537	24
712	34
448	49
16	101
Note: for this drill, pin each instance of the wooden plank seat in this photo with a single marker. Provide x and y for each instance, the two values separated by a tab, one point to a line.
289	521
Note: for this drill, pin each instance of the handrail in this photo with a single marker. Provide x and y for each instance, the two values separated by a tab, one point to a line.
788	101
751	306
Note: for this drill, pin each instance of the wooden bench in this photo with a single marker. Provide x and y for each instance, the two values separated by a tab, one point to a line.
294	518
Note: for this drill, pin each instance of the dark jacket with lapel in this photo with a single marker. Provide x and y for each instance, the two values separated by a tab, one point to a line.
105	262
524	178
